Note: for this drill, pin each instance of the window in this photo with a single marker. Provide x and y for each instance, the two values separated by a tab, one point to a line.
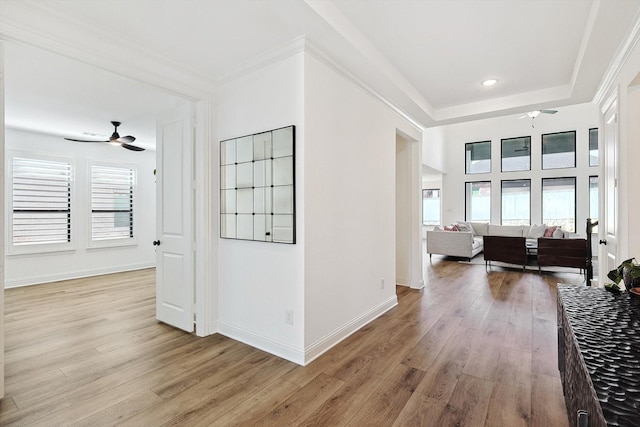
478	201
41	201
559	150
559	202
431	207
478	157
516	202
111	202
593	200
516	154
594	159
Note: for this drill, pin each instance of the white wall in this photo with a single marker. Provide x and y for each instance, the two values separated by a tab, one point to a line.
345	208
349	169
83	261
259	282
577	117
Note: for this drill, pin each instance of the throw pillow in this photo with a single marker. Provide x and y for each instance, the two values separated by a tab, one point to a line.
558	233
438	228
465	226
549	231
451	228
537	231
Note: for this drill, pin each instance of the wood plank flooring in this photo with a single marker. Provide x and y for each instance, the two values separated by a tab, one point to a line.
471	349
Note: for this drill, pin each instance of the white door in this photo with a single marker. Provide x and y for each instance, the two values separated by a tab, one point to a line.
608	225
174	237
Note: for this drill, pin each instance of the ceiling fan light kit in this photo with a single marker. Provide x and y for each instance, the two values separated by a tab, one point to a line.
535	113
115	139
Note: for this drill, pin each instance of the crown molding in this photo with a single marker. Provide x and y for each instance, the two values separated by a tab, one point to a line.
40	25
320	55
615	67
265	59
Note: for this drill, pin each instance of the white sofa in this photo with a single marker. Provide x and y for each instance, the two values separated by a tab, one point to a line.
467	244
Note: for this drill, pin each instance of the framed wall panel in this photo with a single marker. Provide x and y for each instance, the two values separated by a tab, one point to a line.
257	187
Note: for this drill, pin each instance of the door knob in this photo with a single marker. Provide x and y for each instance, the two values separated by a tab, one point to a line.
156	243
603	242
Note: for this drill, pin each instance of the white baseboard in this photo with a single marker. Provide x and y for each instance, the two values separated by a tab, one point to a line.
262	342
312	351
315	350
36	280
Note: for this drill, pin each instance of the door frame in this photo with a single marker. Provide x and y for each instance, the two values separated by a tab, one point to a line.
604	249
158	74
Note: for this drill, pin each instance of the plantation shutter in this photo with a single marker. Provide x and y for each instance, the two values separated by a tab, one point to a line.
111	202
41	201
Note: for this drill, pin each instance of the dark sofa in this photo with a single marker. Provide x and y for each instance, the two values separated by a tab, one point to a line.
550	252
512	250
562	253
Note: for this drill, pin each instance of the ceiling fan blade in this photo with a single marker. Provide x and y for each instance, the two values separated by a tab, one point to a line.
131	147
126	139
549	111
83	140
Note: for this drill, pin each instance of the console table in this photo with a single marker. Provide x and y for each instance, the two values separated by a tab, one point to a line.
599	356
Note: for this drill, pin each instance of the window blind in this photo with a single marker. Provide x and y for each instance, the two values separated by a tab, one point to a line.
111	202
41	201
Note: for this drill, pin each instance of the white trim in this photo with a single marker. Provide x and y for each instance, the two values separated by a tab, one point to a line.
586	36
326	343
326	60
612	99
277	348
36	280
615	66
267	58
206	307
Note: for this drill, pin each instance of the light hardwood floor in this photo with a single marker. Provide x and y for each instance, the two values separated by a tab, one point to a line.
471	349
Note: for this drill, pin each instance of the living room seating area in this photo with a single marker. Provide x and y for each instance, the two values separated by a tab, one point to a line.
515	244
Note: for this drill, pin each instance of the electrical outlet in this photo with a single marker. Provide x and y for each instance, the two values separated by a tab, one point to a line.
289	317
382	283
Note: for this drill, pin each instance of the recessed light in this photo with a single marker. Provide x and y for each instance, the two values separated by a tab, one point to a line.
489	82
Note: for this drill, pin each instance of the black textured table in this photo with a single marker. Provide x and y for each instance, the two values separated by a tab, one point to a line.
599	355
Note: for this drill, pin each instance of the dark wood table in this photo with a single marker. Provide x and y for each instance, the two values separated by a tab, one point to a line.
599	355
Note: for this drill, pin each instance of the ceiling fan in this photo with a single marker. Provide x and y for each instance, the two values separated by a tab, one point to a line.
535	113
116	139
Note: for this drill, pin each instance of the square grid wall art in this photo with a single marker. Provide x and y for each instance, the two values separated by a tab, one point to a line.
257	187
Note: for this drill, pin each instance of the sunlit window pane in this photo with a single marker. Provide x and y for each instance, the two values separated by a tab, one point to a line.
478	157
516	154
559	202
516	202
559	150
478	201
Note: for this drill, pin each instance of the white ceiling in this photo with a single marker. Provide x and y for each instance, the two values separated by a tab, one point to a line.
425	57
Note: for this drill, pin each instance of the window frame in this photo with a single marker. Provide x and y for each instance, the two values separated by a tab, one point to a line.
597	148
575	200
120	241
466	160
575	147
502	141
439	190
501	202
466	199
39	248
